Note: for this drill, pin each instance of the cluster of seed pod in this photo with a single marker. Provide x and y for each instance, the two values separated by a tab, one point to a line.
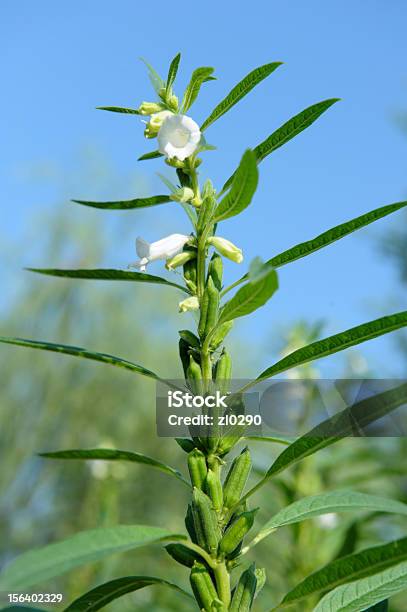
217	522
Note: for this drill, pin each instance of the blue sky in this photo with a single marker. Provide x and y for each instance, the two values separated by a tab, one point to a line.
60	60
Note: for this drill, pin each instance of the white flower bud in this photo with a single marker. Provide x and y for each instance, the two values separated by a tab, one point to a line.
178	137
161	249
183	194
226	248
191	303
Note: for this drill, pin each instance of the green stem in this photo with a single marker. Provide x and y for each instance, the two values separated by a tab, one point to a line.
222	578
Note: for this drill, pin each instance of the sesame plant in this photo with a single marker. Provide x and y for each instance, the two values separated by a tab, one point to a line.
217	546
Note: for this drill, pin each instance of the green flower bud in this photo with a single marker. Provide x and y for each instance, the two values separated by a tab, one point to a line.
149	108
155	123
180	259
191	303
173	103
226	248
215	270
183	194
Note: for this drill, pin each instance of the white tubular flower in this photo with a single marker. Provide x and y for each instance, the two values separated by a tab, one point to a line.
226	248
155	123
178	137
191	303
161	249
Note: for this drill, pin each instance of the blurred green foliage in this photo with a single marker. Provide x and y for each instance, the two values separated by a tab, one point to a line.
53	402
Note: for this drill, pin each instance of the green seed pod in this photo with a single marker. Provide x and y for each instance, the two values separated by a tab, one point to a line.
194	376
186	444
223	372
236	479
204	312
213	306
244	593
203	587
205	522
215	270
206	212
189	267
182	554
190	338
220	334
237	531
197	468
189	525
214	489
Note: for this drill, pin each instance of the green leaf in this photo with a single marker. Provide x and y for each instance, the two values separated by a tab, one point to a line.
108	275
172	72
366	592
335	501
337	427
239	91
347	569
242	191
250	297
155	79
109	454
41	564
119	109
332	235
127	204
21	609
150	155
289	130
81	352
335	343
382	606
103	594
199	76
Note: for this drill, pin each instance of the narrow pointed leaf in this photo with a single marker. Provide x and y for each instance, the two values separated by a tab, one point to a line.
338	426
109	454
242	191
155	79
250	297
332	235
127	204
199	76
108	275
361	594
347	569
103	594
337	342
289	130
119	109
150	155
41	564
336	501
81	352
172	72
239	91
271	439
